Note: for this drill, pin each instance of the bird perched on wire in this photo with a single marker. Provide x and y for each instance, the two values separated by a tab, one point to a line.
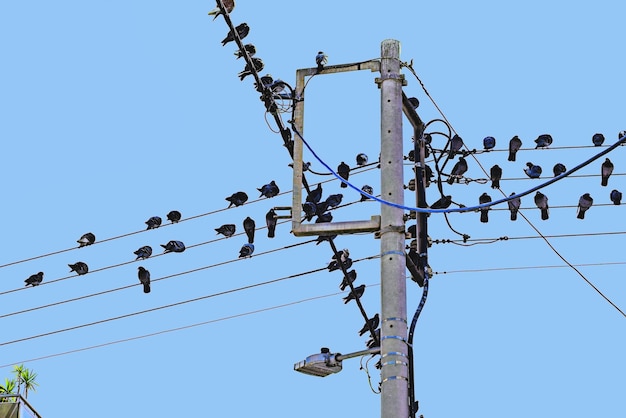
543	141
367	189
242	30
361	159
344	172
456	143
315	195
249	48
310	210
86	239
489	142
321	59
154	222
144	278
355	294
249	225
616	197
143	252
495	175
228	230
257	64
541	200
80	268
484	212
246	250
350	277
333	200
229	5
269	190
173	247
442	203
372	323
597	139
374	341
558	169
514	145
237	199
324	217
415	103
606	171
584	203
174	216
342	255
270	221
532	171
458	170
514	205
35	279
335	264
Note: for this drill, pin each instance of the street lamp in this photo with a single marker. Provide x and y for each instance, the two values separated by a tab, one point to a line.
326	363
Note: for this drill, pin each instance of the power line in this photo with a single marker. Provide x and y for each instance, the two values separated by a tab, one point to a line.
498	269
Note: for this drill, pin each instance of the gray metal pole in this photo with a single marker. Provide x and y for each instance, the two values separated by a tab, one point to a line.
394	350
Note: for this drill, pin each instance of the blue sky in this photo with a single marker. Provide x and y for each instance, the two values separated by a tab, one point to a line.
113	112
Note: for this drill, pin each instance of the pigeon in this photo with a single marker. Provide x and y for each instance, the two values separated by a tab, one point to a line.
558	169
344	172
370	324
143	253
174	216
543	141
257	64
489	142
374	342
597	139
86	239
514	205
270	221
484	212
541	200
269	190
144	279
173	247
584	203
277	86
324	217
80	268
495	174
455	145
334	200
237	199
442	203
246	250
315	195
532	171
248	226
250	49
458	170
310	210
322	238
321	59
154	222
242	30
229	5
514	145
228	230
621	135
616	197
414	102
355	294
342	255
334	264
367	189
35	279
350	277
361	159
607	170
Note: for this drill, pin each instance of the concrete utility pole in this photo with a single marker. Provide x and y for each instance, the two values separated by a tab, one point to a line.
394	350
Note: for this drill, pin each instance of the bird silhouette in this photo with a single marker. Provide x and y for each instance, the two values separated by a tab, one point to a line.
458	170
489	142
456	143
374	341
143	252
621	135
35	279
514	205
237	199
322	238
144	278
335	264
543	141
257	65
597	139
228	230
541	200
270	221
355	294
415	103
310	210
269	190
154	222
250	49
484	212
86	239
173	247
321	59
616	197
342	255
606	171
532	171
80	268
584	203
558	169
344	172
174	216
229	5
367	189
514	145
350	277
246	250
442	203
323	218
361	159
249	226
334	200
371	324
315	195
242	30
495	174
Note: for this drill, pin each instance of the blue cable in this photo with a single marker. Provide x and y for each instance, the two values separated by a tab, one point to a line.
621	141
